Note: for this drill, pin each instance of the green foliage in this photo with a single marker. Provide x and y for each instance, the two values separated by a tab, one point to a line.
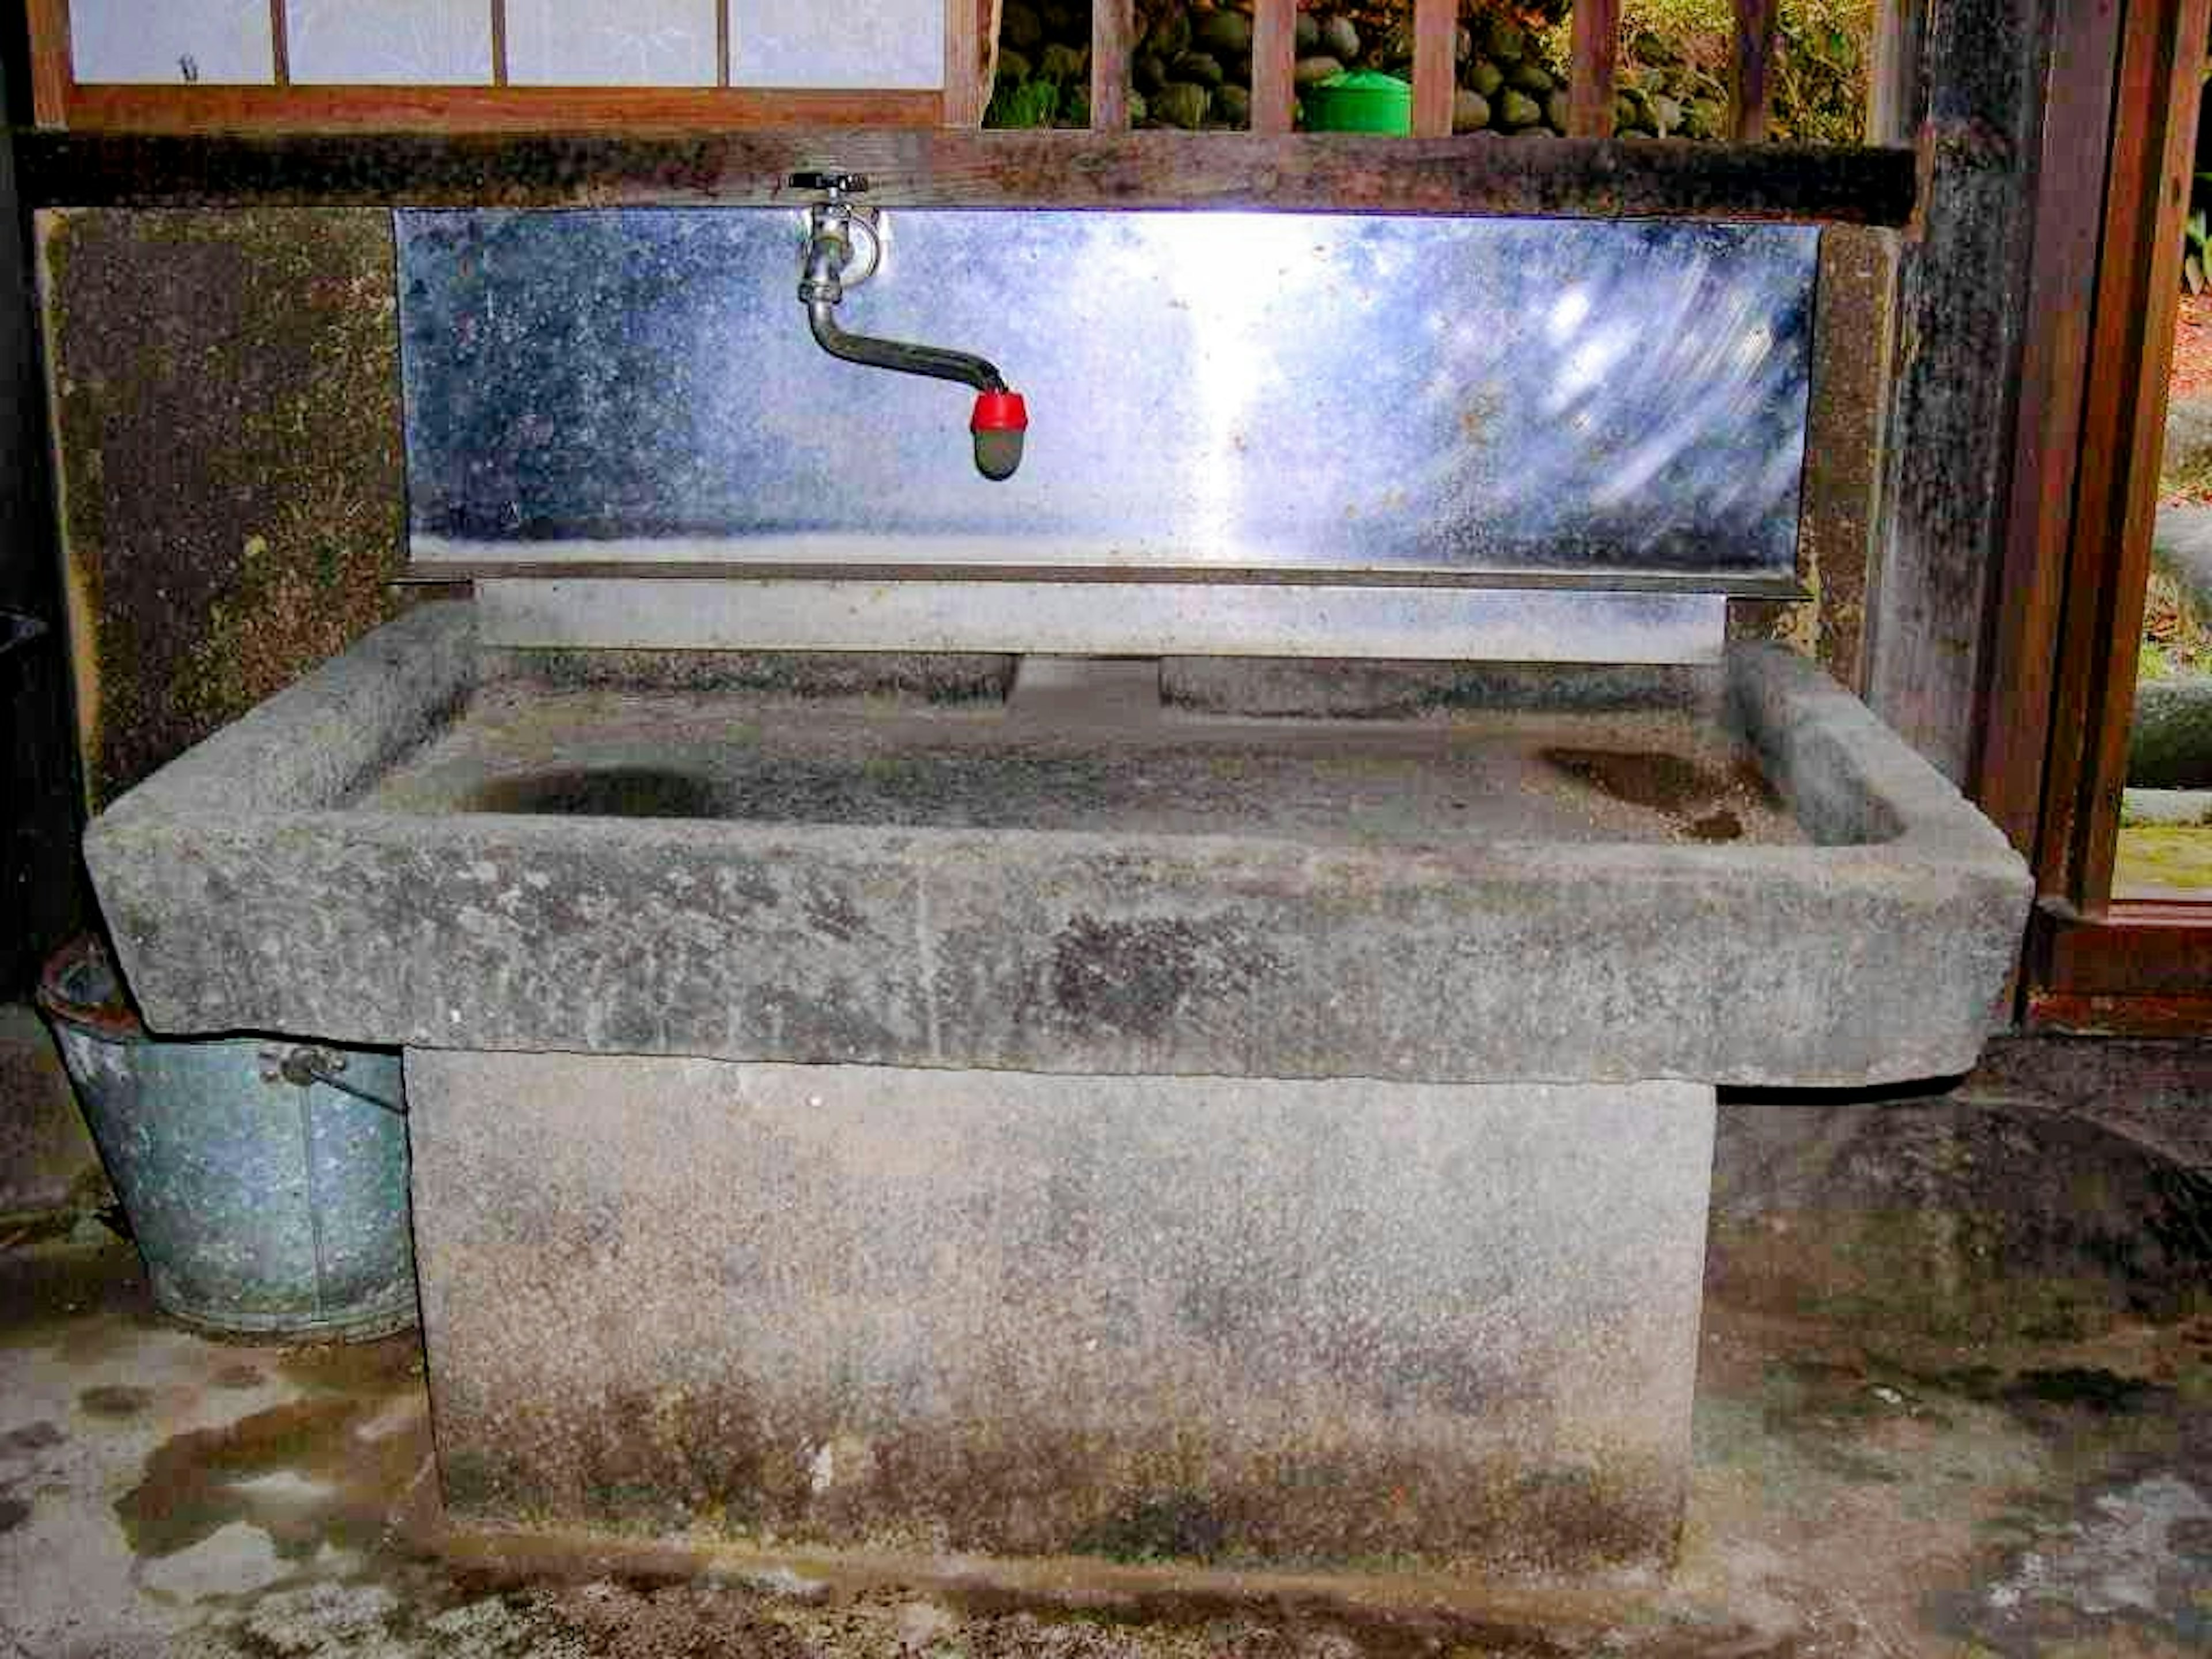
1820	71
1823	50
1021	104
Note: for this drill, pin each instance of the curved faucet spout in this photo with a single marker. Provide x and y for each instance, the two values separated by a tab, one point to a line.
963	367
1000	419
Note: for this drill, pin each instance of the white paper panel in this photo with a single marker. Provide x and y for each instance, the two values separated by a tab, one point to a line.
588	43
876	44
389	42
174	42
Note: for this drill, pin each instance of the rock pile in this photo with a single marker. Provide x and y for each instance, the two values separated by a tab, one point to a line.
1192	69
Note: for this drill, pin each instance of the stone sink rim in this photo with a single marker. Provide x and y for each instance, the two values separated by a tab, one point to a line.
243	894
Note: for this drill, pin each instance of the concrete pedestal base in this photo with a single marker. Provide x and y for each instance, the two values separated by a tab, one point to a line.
1223	1320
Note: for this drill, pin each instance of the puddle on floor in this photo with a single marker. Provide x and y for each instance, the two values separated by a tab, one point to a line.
114	1399
307	1473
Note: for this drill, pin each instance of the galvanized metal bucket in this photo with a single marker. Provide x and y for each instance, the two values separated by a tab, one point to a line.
265	1180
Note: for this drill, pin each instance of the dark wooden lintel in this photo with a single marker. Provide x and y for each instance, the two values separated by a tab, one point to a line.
1565	177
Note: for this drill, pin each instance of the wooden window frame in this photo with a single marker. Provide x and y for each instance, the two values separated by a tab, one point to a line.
521	146
2117	160
59	99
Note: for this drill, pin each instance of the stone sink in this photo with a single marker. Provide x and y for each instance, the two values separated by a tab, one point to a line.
1227	1116
1733	875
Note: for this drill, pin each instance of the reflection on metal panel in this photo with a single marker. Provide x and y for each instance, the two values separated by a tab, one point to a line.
1204	389
1136	619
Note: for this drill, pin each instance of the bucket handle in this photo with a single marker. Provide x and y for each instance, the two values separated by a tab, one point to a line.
303	1066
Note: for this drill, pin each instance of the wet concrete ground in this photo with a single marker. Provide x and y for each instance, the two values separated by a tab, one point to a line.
1956	1368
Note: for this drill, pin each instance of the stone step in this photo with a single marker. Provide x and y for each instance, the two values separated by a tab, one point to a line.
2181	544
2180	808
2170	743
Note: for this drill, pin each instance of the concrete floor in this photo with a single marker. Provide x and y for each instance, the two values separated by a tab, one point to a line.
1956	1360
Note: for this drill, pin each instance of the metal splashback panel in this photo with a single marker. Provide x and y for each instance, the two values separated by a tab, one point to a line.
1590	403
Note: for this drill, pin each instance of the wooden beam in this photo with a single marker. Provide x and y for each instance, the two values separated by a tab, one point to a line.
2141	969
499	73
1749	88
1435	23
50	73
1591	72
1274	58
1113	38
309	110
1341	173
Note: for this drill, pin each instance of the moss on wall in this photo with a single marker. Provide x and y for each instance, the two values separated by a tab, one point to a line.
226	387
1846	418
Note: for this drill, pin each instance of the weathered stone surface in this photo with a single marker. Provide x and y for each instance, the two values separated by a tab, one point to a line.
1311	688
1968	1220
1200	1318
2181	546
2186	460
227	393
247	888
2176	808
2170	742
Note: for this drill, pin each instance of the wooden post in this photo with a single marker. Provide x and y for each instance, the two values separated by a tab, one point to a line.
280	43
1274	54
1749	90
1113	30
1591	74
970	32
51	76
499	43
1960	324
1894	102
2011	751
1435	23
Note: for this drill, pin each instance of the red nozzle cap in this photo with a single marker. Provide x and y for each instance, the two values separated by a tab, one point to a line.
1000	411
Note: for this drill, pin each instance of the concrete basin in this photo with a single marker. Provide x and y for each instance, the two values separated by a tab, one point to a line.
927	1108
1725	875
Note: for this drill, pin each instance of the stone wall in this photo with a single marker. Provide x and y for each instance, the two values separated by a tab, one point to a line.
226	401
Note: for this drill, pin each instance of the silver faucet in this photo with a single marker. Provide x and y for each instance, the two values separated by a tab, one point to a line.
844	246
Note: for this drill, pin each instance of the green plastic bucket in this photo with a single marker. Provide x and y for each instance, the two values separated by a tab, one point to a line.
1359	100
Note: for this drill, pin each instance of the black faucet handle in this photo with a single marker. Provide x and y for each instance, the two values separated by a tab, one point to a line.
836	184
